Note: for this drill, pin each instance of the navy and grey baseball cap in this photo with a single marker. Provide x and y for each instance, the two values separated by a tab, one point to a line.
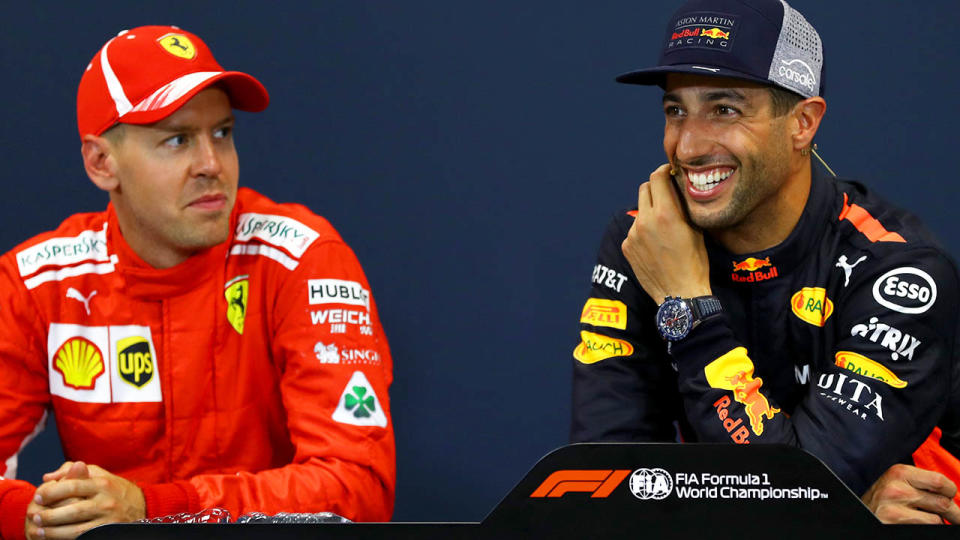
764	41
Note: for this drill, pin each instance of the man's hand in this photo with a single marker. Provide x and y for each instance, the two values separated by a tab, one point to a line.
907	494
666	253
79	497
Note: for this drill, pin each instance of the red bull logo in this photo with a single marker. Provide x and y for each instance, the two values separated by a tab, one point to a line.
689	32
734	371
715	33
753	265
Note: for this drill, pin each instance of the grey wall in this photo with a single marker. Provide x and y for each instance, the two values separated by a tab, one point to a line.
471	153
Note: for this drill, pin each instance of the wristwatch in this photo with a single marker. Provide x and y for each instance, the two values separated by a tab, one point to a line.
678	316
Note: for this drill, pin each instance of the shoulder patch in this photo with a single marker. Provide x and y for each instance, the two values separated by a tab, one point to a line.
89	245
279	231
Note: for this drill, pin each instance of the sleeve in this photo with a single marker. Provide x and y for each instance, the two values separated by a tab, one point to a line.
335	371
24	395
624	388
876	394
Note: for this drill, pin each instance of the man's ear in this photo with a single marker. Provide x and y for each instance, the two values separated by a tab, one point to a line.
100	162
807	115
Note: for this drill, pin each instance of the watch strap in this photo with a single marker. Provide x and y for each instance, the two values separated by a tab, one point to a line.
704	307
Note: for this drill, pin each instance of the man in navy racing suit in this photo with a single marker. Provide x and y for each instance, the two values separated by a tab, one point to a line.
810	313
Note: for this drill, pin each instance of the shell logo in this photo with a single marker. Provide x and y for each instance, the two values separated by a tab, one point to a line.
80	362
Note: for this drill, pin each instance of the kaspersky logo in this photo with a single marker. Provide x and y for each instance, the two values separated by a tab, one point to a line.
599	483
752	265
734	371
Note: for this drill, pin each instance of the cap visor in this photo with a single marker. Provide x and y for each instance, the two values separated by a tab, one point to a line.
246	94
657	75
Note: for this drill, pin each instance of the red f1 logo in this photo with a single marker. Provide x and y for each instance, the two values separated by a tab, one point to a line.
598	482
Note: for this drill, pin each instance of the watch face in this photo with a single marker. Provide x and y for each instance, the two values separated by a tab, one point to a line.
674	319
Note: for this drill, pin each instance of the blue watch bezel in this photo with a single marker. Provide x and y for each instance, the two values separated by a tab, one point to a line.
671	332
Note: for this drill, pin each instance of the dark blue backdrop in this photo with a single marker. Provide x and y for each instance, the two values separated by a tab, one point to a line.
471	153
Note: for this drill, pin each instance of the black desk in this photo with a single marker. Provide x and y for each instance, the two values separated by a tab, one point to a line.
629	491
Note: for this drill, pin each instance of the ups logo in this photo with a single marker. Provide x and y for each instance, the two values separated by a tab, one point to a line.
134	361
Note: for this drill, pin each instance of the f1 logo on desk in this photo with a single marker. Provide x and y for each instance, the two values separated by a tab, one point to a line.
599	482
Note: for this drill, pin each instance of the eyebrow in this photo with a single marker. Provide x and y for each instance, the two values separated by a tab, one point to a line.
725	94
190	128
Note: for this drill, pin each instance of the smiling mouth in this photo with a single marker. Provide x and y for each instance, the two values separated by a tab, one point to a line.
708	179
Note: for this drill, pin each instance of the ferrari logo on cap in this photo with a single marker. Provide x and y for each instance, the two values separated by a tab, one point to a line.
178	45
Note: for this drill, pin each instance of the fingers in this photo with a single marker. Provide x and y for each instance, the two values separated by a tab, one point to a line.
52	492
903	515
931	481
59	473
62	532
661	186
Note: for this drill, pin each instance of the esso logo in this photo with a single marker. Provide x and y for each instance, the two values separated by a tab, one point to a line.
906	290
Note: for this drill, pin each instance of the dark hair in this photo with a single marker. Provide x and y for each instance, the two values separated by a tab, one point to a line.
782	101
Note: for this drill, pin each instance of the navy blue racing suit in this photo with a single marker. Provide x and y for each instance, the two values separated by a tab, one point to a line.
841	340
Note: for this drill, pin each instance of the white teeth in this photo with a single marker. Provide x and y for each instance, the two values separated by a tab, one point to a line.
706	181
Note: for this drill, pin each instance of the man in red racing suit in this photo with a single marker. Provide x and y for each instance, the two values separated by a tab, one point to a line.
251	375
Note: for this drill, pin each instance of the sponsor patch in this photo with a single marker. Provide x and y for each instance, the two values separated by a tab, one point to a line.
135	361
331	354
337	291
64	251
237	293
73	294
80	355
811	305
702	30
603	312
900	343
734	371
861	365
608	277
905	290
854	395
280	231
80	362
596	347
359	405
753	267
848	267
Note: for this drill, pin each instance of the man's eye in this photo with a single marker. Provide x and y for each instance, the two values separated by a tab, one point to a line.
726	110
176	140
223	132
672	110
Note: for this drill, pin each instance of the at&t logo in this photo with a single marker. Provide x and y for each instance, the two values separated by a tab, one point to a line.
651	484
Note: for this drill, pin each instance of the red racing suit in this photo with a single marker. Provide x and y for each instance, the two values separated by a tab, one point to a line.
252	377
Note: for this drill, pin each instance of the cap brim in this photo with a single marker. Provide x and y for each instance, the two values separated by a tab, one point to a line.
657	75
246	94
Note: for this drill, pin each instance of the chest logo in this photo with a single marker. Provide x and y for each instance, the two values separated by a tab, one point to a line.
237	293
861	365
80	362
812	306
847	267
74	294
753	266
134	361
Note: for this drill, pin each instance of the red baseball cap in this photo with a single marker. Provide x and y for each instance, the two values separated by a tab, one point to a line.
145	74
